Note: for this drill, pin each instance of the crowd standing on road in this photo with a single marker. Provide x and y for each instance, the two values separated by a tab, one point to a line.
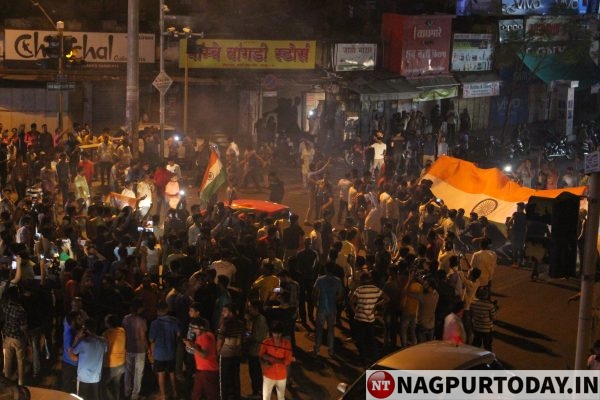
117	289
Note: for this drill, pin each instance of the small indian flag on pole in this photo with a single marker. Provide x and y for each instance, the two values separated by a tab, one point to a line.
214	176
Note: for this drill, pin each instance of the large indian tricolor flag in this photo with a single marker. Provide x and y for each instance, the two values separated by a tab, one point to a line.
214	176
488	192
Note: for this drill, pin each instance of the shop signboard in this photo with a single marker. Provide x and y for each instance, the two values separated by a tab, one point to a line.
251	54
416	44
543	7
552	28
472	52
480	89
511	30
477	7
94	47
355	56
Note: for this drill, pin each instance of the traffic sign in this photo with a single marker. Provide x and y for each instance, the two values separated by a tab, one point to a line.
592	162
162	82
60	86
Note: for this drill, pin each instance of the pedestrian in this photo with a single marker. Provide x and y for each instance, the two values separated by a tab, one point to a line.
258	331
114	359
229	349
89	349
275	355
364	302
304	271
483	315
14	331
276	188
454	330
106	155
206	377
163	335
135	349
327	293
485	260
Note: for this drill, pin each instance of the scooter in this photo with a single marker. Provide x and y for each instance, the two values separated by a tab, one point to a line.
559	148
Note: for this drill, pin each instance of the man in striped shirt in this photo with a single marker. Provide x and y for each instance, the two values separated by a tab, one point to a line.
364	301
483	314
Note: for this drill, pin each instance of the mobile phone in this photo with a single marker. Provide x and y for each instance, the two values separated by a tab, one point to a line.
13	265
82	242
277	290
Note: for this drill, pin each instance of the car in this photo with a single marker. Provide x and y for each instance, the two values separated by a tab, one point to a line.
436	354
259	207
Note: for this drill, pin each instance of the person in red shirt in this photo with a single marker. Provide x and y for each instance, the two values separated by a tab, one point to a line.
88	168
206	378
275	355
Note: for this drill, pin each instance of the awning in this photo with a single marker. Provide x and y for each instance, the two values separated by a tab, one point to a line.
384	90
552	68
435	87
482	84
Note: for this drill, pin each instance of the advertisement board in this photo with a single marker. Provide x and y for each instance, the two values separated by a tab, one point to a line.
511	30
417	44
548	28
94	47
472	52
251	54
477	7
354	56
480	89
543	7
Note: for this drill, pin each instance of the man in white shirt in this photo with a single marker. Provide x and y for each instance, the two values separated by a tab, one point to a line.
224	267
344	185
485	260
144	191
173	168
379	148
232	150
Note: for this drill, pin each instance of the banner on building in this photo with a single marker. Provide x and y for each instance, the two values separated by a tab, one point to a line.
480	89
250	54
416	44
548	28
543	7
472	52
511	30
94	47
354	56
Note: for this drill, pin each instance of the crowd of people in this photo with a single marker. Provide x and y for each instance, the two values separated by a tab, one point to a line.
107	287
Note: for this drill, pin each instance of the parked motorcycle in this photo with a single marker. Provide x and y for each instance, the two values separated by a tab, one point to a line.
518	149
559	148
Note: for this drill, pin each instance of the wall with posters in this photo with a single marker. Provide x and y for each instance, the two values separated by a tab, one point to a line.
472	52
416	44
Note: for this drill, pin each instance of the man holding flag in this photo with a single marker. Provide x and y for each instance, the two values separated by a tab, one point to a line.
214	177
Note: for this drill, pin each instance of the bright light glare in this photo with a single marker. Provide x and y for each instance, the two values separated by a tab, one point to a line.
182	192
508	168
176	138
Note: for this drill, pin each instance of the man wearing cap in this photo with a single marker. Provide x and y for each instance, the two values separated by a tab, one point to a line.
379	148
206	378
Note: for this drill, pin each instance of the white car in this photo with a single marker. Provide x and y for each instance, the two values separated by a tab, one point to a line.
436	355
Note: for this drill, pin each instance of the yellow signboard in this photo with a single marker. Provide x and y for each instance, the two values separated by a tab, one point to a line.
248	54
